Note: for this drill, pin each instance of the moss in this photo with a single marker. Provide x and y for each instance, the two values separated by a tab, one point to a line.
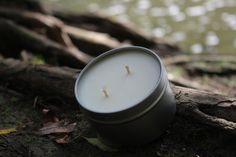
38	59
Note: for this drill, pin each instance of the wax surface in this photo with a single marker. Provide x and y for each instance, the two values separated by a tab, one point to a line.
124	90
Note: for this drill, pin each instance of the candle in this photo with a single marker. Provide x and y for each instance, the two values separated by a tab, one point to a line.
119	88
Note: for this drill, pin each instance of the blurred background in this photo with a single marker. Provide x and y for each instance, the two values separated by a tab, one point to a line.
197	26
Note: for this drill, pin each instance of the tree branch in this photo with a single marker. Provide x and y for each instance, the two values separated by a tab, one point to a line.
93	43
13	35
124	32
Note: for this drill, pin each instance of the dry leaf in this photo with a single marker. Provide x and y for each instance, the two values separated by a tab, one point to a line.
7	131
56	128
63	140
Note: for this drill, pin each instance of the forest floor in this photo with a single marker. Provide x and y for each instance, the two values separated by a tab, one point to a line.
183	138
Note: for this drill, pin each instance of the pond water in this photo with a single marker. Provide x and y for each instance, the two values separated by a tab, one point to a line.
197	26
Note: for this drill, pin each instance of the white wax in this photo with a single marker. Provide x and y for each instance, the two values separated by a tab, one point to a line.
124	90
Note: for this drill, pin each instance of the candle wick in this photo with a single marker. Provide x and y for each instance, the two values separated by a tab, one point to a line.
105	92
128	69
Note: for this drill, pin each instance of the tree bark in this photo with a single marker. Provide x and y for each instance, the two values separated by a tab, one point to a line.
205	107
208	108
16	38
100	23
88	41
124	32
93	43
42	79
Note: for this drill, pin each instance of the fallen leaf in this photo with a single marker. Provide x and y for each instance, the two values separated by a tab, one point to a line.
96	142
63	140
7	131
56	128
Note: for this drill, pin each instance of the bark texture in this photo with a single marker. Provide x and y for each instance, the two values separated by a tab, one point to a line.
124	32
91	42
15	38
43	79
208	108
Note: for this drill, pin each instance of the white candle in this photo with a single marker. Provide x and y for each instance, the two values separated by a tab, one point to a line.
118	82
125	90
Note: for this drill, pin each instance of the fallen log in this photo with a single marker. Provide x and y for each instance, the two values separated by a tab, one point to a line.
93	43
43	23
101	42
208	108
122	32
100	23
15	38
42	79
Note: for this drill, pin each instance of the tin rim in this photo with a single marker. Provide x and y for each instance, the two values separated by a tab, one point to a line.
137	108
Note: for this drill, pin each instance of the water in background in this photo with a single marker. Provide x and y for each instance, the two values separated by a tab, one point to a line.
198	26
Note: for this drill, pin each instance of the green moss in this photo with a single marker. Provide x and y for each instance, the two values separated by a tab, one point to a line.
38	59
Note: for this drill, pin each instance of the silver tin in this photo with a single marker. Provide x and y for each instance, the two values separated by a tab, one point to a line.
140	124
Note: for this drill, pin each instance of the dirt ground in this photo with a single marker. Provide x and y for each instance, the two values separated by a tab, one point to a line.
183	138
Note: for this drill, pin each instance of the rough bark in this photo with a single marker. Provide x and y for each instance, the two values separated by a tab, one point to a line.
43	23
15	38
208	108
42	79
102	24
93	43
123	32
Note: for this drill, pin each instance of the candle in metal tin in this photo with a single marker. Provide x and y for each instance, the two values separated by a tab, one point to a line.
125	94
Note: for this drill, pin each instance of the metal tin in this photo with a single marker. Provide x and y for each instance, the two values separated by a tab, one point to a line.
141	123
